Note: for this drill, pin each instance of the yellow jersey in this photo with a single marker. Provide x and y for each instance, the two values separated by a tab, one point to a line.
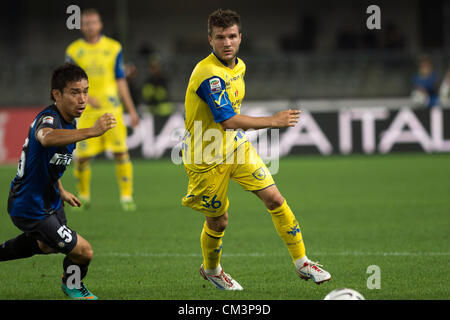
214	94
103	64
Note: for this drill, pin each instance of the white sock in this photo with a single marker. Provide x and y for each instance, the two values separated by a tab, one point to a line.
300	262
214	272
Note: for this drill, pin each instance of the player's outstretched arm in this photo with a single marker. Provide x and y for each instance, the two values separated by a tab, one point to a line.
49	137
286	118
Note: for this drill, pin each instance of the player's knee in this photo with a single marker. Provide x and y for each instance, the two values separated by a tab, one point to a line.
87	253
274	201
121	157
271	197
218	224
82	161
82	254
85	257
220	227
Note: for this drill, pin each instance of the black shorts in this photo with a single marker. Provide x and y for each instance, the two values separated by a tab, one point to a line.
52	231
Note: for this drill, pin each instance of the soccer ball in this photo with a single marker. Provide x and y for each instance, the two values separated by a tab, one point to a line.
344	294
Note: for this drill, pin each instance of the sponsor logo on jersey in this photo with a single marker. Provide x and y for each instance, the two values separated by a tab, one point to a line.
259	174
80	53
47	119
220	99
215	85
61	159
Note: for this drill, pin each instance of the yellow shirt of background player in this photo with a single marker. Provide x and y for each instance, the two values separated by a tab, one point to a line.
214	94
103	64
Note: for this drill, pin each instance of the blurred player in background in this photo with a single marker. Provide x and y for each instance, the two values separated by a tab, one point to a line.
444	90
101	57
155	94
36	197
425	91
213	101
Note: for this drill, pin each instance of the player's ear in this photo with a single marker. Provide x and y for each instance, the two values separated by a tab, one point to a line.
210	40
56	94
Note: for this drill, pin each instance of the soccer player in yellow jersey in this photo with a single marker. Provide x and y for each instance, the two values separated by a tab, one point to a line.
101	57
216	150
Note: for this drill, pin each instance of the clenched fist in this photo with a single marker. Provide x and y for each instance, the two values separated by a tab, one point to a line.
103	124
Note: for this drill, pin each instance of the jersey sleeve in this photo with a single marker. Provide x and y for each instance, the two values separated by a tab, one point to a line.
212	91
46	120
119	69
69	59
69	54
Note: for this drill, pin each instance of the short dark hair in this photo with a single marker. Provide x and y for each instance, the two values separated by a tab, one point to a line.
223	19
64	74
424	58
89	11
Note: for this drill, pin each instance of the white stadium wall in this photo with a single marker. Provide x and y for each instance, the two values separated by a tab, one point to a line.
370	126
362	126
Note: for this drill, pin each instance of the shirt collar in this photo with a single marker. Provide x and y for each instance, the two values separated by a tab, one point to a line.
223	62
100	39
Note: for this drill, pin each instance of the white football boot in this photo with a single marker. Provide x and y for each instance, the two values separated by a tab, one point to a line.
312	270
222	281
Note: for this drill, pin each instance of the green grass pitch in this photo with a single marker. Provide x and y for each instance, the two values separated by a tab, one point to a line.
392	211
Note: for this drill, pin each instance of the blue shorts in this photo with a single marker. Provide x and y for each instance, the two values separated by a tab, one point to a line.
52	231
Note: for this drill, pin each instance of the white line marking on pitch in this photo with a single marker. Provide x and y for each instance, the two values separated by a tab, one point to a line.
263	254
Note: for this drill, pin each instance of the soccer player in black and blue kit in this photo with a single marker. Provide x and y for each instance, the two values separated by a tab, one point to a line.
36	198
